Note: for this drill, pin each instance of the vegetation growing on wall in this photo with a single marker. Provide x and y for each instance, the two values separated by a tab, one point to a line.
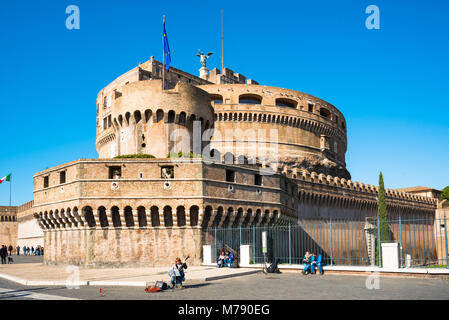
183	155
135	156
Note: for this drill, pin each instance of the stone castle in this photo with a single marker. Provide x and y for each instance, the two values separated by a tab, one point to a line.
221	150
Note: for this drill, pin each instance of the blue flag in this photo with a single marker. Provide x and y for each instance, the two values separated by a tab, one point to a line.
166	49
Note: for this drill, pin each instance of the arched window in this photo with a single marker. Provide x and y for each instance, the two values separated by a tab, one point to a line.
228	217
155	222
182	118
102	217
194	215
171	116
89	217
168	218
147	115
282	102
325	113
219	216
250	99
129	220
116	217
137	116
127	116
229	158
159	115
181	216
142	216
238	217
207	216
216	99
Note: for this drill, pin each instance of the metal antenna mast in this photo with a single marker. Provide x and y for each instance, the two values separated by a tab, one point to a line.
222	59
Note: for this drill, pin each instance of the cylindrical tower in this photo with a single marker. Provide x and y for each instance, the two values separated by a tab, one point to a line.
300	130
141	118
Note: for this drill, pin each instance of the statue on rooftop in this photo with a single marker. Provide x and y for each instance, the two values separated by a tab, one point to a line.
203	57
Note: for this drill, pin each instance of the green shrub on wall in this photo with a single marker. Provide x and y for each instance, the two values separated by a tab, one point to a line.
183	155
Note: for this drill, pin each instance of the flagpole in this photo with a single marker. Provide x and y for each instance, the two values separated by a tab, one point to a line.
10	188
163	56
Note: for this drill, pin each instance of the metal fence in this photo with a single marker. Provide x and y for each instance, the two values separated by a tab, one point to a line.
421	241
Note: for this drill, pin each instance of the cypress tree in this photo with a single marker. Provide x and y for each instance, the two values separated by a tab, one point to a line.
382	216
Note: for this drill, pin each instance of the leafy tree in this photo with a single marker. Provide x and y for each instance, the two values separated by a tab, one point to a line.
445	194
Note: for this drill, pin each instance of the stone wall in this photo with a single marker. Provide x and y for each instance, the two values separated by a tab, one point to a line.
122	247
8	226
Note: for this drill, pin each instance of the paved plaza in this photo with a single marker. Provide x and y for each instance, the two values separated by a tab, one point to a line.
208	283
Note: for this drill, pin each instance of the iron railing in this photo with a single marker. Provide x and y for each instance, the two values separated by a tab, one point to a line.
421	241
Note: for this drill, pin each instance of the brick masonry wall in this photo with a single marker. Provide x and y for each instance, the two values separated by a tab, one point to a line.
122	247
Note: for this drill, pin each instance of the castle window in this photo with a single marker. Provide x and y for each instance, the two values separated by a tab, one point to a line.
250	99
217	99
286	103
62	177
107	122
115	172
257	179
182	118
171	116
159	115
167	172
325	113
230	176
46	181
310	107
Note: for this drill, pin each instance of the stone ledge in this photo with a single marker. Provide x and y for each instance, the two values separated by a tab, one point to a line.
358	269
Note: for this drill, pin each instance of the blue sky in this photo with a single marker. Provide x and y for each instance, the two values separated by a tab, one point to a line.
391	84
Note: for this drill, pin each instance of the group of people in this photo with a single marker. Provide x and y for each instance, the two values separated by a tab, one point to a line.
311	262
27	251
225	259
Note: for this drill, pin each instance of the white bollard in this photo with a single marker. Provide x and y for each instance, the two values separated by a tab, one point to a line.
207	254
390	255
246	254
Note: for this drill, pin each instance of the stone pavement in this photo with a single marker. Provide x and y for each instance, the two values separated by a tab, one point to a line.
38	274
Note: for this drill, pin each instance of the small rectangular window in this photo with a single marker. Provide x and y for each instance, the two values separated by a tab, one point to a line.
167	172
257	179
310	107
115	172
141	175
46	182
230	176
62	177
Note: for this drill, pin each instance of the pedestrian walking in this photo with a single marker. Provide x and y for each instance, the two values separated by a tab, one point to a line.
3	254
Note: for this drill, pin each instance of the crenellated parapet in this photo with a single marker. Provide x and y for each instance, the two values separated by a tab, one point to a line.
342	192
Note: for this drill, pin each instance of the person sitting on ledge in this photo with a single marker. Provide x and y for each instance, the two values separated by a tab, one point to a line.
229	258
317	262
221	260
307	262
